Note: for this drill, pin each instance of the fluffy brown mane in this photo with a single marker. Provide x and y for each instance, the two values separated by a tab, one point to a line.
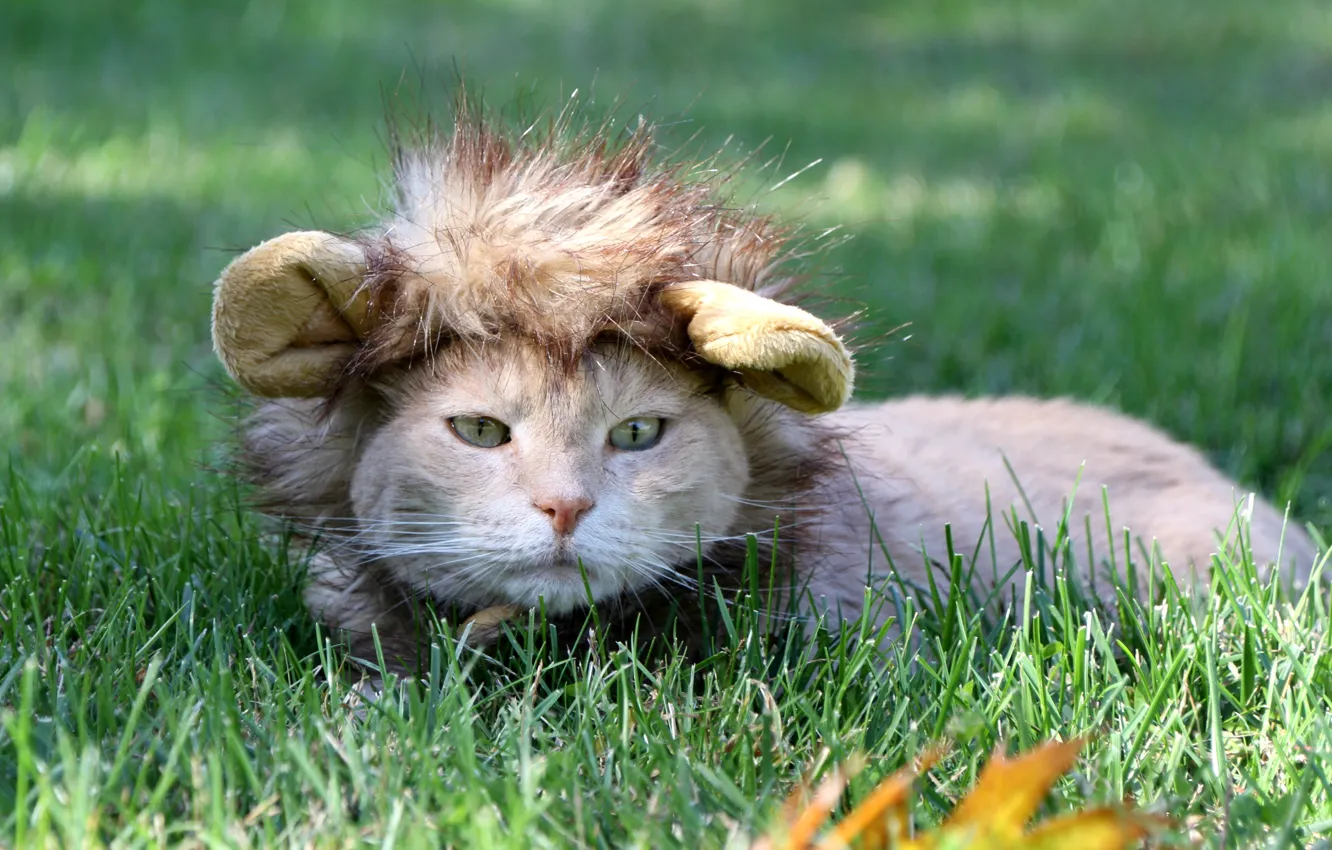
561	233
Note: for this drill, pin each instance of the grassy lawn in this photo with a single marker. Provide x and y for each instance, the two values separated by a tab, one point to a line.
1128	201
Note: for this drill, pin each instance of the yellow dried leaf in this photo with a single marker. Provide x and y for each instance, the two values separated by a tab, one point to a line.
881	819
804	812
992	816
1094	829
1008	791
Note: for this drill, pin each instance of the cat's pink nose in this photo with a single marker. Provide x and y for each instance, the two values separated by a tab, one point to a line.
564	513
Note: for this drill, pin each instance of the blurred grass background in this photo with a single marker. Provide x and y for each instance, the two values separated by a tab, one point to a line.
1123	201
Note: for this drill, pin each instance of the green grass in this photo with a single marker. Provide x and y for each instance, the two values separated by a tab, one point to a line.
1124	201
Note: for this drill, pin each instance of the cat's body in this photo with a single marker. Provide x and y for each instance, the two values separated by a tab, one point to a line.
558	371
411	513
920	463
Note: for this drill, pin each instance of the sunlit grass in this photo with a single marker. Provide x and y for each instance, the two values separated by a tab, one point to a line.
152	697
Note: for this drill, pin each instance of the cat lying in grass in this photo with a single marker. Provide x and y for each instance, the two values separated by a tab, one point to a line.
559	371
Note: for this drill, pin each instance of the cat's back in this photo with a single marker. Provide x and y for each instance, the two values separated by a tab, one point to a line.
1043	437
926	461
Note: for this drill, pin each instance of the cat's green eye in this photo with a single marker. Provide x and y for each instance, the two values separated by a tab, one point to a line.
480	431
634	435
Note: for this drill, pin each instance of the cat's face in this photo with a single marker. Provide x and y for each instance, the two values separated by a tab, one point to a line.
498	474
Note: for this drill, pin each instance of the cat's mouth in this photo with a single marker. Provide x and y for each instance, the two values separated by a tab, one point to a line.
563	560
558	580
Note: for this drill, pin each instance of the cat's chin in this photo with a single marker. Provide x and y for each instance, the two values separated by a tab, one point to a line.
558	583
560	589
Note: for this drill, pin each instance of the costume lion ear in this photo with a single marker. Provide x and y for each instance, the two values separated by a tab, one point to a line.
780	351
288	313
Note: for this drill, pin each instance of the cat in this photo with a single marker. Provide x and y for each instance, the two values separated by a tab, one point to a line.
562	371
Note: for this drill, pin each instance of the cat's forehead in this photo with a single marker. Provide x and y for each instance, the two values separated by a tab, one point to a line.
509	377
